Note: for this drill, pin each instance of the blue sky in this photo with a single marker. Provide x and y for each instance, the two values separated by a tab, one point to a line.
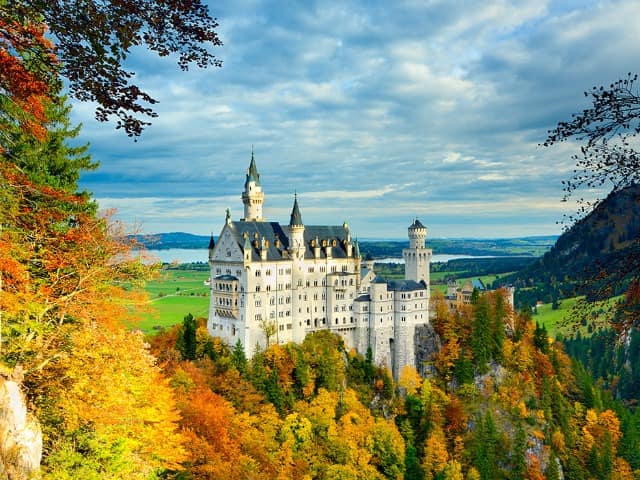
374	112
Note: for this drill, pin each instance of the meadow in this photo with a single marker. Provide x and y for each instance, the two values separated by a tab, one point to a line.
569	319
174	294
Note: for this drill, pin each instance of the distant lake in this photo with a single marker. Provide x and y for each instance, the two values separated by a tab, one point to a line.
188	255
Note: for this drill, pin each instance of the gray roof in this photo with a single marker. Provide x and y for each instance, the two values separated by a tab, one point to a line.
225	277
363	298
416	224
296	218
378	279
252	172
278	242
405	285
212	242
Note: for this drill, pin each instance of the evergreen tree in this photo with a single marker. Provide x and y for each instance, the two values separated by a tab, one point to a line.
52	161
238	358
481	336
186	343
519	462
552	471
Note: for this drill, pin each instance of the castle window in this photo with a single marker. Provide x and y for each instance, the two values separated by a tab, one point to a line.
258	303
272	301
308	322
257	273
268	272
257	288
310	269
315	283
268	288
288	326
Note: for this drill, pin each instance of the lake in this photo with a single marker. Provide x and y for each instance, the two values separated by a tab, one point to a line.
188	255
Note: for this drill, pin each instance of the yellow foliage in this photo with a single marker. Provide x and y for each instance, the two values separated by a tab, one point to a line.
409	379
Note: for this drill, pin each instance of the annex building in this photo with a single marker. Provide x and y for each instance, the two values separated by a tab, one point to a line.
274	283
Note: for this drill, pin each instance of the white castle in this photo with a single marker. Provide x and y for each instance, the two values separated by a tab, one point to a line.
273	283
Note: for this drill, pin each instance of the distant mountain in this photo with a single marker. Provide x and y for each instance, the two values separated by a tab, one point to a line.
525	246
163	241
595	256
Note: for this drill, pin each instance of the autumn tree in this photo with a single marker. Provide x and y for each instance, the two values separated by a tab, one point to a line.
93	41
608	132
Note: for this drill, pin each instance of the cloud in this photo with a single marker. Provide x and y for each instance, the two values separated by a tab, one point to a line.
374	111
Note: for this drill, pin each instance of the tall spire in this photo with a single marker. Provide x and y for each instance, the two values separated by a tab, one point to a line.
296	217
252	196
252	171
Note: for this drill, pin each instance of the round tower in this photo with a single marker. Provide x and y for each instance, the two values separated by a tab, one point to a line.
417	257
417	234
252	196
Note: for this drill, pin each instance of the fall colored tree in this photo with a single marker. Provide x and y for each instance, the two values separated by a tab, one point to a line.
93	41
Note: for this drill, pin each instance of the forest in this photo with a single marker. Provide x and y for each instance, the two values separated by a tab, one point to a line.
93	398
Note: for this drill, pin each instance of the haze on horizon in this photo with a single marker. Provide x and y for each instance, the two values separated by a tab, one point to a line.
375	113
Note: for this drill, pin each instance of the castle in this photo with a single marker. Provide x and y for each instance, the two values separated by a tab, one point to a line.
273	283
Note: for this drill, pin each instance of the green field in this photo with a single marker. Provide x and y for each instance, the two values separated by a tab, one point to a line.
174	294
567	321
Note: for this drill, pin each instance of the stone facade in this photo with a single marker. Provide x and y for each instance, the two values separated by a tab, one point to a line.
273	283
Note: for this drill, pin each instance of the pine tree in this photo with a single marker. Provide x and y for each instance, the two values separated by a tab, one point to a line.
187	343
481	336
238	358
519	450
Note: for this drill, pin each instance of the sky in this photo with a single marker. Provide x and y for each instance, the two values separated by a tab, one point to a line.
373	112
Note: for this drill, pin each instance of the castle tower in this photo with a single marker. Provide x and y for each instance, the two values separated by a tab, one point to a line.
252	196
296	232
417	258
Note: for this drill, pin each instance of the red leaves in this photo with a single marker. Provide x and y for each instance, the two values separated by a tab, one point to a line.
27	66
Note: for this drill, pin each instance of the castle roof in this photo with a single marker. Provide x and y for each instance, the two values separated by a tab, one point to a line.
296	218
416	224
405	286
252	172
225	277
250	235
212	242
363	298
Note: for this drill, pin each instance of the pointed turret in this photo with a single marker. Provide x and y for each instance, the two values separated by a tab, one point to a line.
296	231
252	172
252	196
212	242
296	217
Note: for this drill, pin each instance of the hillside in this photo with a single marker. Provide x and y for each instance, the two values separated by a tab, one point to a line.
596	256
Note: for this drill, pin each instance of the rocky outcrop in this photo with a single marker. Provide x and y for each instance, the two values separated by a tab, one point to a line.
427	344
20	435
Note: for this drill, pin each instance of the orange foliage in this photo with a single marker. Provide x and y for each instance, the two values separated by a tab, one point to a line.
25	87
